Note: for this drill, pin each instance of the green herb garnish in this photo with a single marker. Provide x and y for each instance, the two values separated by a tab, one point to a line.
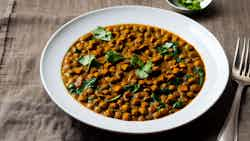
178	104
114	98
164	49
86	60
145	70
102	34
72	88
133	88
77	51
187	76
157	99
164	91
136	61
178	60
200	73
176	81
91	83
113	56
191	4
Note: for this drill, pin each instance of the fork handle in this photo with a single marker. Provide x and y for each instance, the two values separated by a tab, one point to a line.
229	131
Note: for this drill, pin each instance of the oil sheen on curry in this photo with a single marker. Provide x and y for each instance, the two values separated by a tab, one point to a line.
133	72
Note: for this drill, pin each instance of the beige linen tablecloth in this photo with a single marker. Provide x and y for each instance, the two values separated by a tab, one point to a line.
28	114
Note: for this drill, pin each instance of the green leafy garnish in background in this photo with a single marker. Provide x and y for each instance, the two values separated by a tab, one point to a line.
102	34
145	70
136	61
133	88
200	73
191	4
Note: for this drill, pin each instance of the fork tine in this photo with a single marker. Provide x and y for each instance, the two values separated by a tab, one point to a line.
242	55
236	52
248	74
246	58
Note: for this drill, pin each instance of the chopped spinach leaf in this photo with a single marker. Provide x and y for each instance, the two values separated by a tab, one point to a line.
133	88
102	34
113	56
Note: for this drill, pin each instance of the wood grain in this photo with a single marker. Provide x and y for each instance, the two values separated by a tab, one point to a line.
33	21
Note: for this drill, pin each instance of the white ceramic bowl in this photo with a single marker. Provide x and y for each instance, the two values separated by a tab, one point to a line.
215	60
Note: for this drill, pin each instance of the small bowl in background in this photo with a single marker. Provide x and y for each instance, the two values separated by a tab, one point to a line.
181	9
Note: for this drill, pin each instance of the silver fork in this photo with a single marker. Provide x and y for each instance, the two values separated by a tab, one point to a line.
240	74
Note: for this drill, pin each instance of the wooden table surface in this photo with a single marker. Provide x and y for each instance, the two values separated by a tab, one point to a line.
226	19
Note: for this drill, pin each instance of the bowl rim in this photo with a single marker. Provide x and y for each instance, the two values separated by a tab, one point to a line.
128	6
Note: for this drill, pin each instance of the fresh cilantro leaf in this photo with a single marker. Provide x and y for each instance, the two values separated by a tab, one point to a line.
91	83
164	49
148	67
164	91
145	70
113	56
86	60
187	76
176	81
200	73
102	34
77	51
133	88
178	104
114	98
141	74
157	99
178	60
136	61
72	88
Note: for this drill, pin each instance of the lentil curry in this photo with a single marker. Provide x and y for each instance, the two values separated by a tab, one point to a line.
133	72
